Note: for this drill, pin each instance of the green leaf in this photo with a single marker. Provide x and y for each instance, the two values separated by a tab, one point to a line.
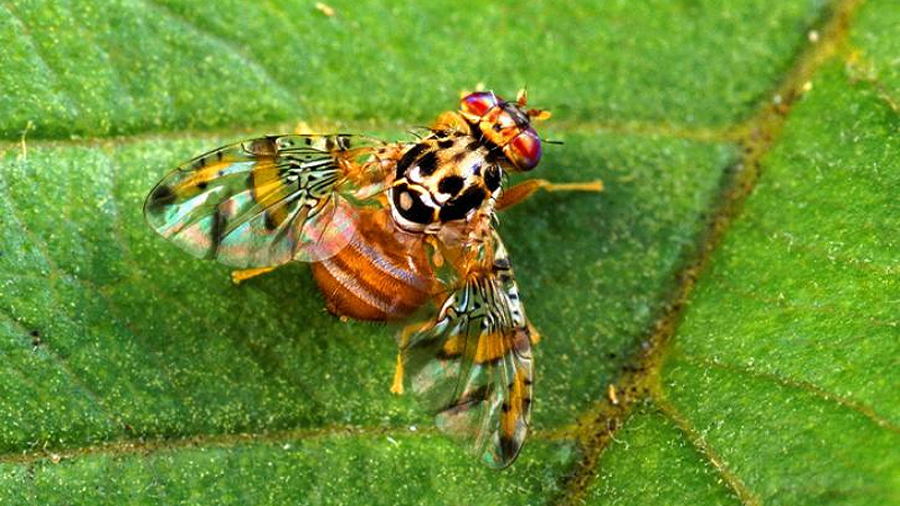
81	69
785	362
736	283
874	56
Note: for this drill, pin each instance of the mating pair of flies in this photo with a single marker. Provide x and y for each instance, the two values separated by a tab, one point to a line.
392	231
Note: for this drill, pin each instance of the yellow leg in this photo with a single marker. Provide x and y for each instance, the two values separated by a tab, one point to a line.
397	385
525	189
238	277
534	335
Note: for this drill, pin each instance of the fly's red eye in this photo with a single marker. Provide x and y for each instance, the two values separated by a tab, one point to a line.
524	152
475	105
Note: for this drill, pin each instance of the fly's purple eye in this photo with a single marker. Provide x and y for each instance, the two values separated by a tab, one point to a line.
524	152
475	105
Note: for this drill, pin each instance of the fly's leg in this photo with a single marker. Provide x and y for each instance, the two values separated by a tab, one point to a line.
525	189
533	335
238	277
397	384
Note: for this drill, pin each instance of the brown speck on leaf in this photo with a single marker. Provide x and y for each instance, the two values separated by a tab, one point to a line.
611	394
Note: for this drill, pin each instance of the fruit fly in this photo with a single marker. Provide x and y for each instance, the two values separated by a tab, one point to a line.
399	231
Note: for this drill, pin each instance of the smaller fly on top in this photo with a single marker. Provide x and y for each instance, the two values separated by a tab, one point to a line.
505	125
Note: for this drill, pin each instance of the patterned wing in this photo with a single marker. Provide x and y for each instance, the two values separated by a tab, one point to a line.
261	202
472	363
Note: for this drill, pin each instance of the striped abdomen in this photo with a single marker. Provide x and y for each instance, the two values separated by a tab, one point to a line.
382	274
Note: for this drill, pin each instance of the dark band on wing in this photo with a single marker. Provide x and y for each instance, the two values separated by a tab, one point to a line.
217	232
162	196
262	147
268	185
469	400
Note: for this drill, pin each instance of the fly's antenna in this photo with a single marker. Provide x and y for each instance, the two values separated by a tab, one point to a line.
522	96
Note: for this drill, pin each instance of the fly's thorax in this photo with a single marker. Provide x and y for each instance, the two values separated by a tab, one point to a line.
443	179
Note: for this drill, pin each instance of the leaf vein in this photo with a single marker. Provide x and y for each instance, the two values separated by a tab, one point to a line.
251	62
805	386
738	487
52	72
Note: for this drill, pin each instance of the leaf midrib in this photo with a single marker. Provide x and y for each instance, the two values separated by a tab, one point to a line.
757	136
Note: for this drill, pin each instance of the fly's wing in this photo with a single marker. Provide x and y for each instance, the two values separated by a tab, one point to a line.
472	365
261	202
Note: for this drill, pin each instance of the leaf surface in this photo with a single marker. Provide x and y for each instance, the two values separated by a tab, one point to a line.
767	305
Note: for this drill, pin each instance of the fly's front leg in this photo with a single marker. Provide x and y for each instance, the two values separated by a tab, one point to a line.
520	192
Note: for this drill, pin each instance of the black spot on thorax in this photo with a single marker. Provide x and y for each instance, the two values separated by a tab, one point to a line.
459	207
427	163
446	143
416	210
451	185
492	178
408	158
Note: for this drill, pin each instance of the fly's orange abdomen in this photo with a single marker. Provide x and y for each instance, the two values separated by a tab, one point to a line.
382	274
